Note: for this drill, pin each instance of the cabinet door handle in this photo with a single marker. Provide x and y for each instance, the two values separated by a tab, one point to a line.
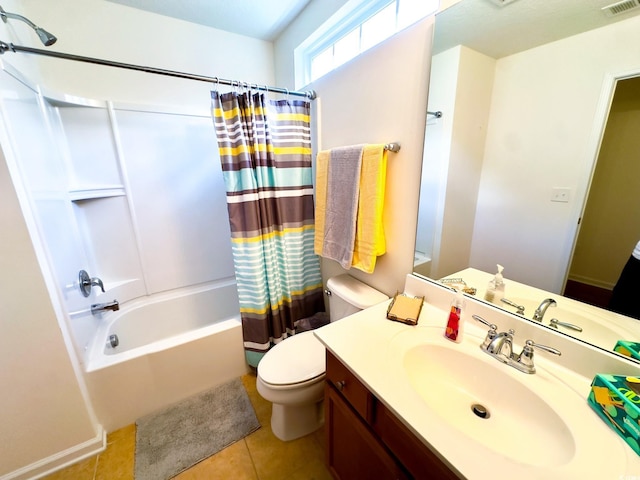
341	384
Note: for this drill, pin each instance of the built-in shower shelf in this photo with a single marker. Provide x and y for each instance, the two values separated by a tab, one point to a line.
95	193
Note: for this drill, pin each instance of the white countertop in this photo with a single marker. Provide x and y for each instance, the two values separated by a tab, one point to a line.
364	342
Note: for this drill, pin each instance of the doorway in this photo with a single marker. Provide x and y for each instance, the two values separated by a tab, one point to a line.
610	224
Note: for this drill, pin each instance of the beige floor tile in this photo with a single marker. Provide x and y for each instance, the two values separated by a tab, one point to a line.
260	456
313	470
232	462
260	405
84	470
117	461
275	459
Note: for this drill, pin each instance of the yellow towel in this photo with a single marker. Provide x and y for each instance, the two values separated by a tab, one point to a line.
370	241
322	169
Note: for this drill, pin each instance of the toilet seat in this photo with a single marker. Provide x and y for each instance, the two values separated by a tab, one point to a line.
296	361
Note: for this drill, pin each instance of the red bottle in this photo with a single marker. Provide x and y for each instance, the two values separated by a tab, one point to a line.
454	325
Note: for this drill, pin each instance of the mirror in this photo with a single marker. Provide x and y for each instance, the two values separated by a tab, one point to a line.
524	90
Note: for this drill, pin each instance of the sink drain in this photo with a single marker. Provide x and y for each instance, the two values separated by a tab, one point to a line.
480	410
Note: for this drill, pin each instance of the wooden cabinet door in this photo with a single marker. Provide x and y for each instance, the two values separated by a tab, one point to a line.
352	451
419	461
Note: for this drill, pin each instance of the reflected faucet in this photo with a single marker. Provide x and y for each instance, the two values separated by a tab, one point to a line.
542	309
101	307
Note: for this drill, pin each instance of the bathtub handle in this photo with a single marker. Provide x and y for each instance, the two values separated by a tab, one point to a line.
87	282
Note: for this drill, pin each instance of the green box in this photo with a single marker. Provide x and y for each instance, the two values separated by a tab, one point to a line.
630	349
616	399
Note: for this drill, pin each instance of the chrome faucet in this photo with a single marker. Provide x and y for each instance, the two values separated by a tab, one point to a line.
101	307
542	309
500	347
85	282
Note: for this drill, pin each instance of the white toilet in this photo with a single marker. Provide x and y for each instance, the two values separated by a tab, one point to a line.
291	374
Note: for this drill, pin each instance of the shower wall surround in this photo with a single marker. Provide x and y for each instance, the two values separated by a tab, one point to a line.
133	195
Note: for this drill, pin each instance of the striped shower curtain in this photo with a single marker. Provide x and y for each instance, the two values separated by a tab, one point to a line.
265	150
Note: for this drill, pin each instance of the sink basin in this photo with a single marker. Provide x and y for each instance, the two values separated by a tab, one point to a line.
520	424
539	424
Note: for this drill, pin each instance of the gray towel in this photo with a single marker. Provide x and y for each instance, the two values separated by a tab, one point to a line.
343	189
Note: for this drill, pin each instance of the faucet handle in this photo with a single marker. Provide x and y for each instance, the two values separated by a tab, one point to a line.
85	282
525	359
491	334
96	282
491	326
531	343
519	308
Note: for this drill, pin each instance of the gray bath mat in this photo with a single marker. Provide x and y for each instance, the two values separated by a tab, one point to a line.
170	441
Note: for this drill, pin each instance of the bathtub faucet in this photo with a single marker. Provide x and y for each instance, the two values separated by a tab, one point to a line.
101	307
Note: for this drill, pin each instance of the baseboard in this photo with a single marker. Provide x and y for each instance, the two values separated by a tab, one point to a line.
61	460
592	281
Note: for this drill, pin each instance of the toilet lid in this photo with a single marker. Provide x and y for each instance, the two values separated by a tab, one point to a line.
294	360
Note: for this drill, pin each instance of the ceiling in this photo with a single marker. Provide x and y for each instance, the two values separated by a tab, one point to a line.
263	19
522	24
498	31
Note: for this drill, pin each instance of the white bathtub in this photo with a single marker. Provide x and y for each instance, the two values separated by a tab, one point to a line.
172	345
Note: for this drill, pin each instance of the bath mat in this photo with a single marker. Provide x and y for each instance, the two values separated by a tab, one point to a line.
172	440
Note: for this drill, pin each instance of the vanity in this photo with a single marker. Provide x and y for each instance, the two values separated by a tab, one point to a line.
404	402
360	426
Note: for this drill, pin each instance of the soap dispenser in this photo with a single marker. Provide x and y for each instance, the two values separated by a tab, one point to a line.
495	289
454	324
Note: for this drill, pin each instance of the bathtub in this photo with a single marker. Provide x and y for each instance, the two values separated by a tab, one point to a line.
171	346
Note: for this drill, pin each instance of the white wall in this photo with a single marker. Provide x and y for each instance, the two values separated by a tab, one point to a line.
461	80
546	118
381	97
46	416
110	31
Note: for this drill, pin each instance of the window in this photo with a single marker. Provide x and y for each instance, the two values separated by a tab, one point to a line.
366	26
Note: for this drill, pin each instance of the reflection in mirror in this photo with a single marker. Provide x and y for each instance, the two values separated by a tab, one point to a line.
564	315
525	90
605	243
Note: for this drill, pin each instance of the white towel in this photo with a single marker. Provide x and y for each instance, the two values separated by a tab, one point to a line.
343	190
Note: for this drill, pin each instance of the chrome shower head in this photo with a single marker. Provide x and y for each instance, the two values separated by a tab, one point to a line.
45	37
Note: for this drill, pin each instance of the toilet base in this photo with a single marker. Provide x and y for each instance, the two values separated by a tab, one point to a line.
289	422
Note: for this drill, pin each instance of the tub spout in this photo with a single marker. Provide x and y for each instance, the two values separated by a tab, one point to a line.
101	307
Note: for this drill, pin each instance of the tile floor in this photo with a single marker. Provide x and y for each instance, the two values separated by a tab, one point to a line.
259	456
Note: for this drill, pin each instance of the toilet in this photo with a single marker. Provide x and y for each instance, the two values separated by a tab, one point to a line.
291	374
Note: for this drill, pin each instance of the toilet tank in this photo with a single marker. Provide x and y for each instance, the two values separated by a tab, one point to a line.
349	296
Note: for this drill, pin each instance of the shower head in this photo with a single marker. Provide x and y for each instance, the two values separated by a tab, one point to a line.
45	37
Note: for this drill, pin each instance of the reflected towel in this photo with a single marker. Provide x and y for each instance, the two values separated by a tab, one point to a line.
370	240
343	189
322	168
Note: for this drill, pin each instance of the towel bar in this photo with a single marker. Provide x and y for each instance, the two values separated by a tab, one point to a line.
392	147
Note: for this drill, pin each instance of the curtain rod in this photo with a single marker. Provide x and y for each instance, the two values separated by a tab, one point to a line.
4	47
